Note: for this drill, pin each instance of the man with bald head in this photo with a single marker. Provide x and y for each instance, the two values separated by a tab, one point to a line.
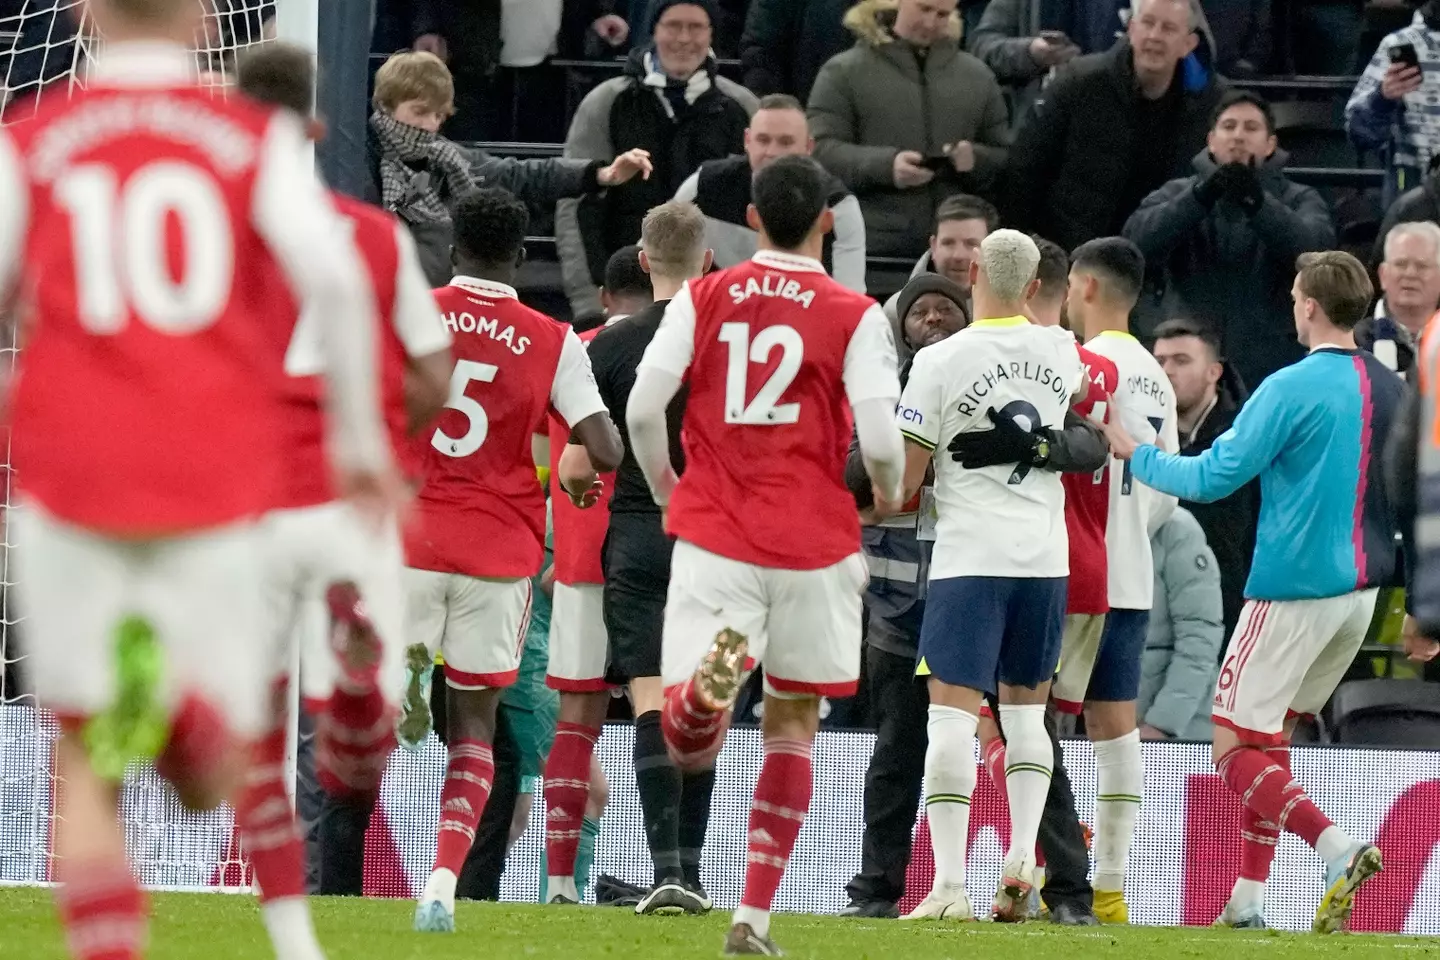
1112	127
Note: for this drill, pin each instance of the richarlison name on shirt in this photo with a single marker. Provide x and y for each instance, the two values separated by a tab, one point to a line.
973	399
772	285
467	322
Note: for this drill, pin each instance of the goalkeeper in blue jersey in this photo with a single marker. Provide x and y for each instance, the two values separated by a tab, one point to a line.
1314	433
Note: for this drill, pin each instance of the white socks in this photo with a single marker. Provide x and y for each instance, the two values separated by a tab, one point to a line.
759	920
1120	782
441	887
291	931
561	886
1029	762
1248	896
949	782
1334	846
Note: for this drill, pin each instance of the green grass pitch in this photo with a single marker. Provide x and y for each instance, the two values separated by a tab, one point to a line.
226	927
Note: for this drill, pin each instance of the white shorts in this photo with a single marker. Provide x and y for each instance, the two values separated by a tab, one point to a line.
579	645
477	625
1079	649
1286	658
200	593
311	548
804	625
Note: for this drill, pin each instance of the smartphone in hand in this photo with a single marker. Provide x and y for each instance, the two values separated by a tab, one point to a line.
1404	55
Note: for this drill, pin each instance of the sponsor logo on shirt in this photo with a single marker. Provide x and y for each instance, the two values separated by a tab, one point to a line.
911	415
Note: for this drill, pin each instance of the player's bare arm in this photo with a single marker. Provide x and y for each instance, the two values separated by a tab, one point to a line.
917	461
427	383
599	441
578	477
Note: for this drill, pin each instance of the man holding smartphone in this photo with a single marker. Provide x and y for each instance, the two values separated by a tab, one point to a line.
1388	110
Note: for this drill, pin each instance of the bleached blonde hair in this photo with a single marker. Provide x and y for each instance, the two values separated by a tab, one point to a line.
1009	259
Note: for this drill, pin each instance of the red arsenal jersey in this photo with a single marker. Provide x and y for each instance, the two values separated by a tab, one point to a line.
409	327
774	352
1087	500
579	534
151	224
481	511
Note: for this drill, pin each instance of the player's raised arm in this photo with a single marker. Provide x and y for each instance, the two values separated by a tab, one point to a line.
657	380
302	229
872	385
427	342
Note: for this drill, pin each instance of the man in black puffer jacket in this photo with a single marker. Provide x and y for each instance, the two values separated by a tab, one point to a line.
670	102
1112	127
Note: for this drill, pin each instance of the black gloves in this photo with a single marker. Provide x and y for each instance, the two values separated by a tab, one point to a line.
1237	182
1007	443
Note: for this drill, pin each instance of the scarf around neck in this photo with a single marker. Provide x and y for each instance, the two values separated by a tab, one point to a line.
419	170
676	94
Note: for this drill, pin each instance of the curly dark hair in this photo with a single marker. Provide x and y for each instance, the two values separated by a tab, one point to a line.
490	226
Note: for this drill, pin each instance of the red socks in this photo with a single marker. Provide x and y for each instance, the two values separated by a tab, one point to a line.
354	741
102	909
268	831
567	787
468	776
693	732
1266	787
782	798
196	759
1259	836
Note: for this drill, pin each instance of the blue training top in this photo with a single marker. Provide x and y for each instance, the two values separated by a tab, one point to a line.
1314	432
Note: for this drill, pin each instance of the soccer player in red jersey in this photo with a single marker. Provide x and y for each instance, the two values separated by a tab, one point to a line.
146	232
478	535
767	561
322	555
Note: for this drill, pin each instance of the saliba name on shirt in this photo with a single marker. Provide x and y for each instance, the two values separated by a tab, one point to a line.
772	285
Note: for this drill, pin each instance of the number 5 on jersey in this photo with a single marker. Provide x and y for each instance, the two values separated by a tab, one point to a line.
763	411
466	372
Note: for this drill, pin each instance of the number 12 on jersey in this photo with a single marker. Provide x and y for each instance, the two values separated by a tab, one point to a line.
763	411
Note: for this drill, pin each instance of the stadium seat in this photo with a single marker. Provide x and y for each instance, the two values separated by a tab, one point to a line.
1313	132
1386	713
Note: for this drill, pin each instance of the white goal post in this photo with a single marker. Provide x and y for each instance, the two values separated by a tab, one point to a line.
47	47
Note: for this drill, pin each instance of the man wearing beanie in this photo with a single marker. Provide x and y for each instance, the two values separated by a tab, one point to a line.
670	101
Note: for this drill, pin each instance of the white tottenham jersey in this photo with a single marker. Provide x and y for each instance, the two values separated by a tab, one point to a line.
1146	405
1003	521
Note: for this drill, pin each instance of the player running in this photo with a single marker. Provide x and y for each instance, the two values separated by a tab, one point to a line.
675	803
1313	433
323	558
479	531
1101	667
996	602
770	350
145	233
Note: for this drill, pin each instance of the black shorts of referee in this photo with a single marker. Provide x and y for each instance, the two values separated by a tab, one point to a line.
636	562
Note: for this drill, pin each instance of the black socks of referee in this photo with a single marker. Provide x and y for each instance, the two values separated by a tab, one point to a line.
695	790
659	784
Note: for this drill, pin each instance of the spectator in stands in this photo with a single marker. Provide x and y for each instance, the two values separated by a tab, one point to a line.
418	174
728	20
1112	127
1392	109
1410	294
906	118
1223	241
1416	204
670	102
1182	649
721	189
493	48
1024	42
961	224
1208	397
786	42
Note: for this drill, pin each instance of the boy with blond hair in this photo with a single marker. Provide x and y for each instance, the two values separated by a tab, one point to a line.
419	175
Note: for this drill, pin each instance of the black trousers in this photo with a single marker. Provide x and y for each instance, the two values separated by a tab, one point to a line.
892	794
343	821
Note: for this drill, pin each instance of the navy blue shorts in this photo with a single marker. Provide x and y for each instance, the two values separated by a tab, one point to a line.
1116	677
978	630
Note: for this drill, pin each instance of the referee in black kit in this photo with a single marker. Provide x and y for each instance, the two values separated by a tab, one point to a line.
636	561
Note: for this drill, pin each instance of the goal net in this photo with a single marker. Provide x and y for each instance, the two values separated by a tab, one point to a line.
47	47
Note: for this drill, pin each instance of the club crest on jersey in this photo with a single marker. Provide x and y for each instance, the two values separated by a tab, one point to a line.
1040	373
772	285
467	322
